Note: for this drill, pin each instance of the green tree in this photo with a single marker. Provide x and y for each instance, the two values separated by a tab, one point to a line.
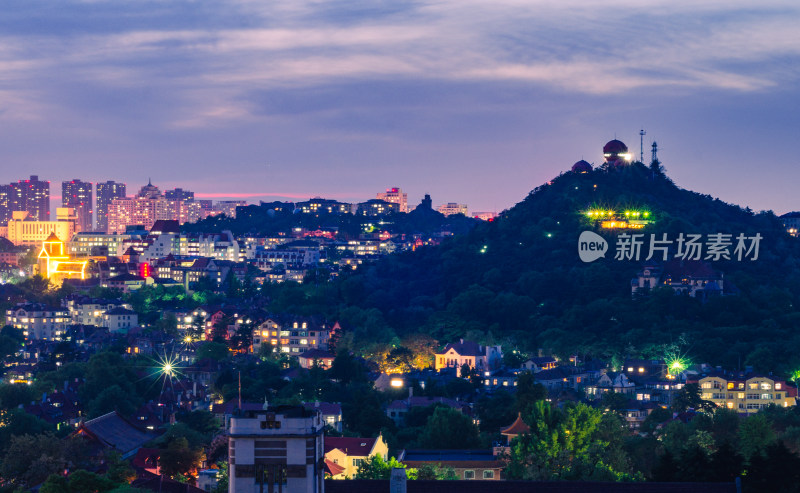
689	397
755	435
89	482
376	468
179	459
346	368
110	399
222	478
437	471
561	445
55	483
448	428
529	392
212	350
614	401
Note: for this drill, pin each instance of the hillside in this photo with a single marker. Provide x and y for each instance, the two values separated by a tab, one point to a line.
520	279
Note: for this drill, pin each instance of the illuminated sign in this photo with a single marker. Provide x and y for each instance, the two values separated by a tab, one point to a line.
624	219
144	270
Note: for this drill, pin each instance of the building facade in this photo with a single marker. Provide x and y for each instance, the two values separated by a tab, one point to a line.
276	449
396	196
23	229
147	207
106	193
38	321
472	354
451	208
77	195
746	393
32	195
294	336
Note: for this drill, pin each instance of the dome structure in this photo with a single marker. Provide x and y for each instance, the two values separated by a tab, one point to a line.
616	152
581	167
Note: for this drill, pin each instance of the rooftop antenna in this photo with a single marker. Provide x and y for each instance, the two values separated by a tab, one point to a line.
642	133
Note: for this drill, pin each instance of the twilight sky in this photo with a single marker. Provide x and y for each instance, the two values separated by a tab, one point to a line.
471	101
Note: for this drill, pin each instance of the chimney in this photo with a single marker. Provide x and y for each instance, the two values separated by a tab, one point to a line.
397	481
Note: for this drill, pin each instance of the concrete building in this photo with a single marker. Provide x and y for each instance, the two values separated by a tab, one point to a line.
746	392
38	321
77	195
455	355
106	193
292	335
451	208
90	311
228	207
23	229
31	195
5	210
396	196
348	453
85	244
120	319
147	207
278	448
376	208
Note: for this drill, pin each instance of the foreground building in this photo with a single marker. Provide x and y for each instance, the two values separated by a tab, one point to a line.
278	448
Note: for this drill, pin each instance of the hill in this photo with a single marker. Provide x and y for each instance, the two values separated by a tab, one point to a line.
519	279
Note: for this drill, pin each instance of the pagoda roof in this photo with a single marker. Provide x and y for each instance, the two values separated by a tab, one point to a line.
518	427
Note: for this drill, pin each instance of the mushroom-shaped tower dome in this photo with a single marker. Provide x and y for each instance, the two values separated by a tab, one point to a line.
581	167
615	150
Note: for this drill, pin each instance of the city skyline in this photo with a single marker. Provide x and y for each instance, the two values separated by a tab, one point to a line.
469	102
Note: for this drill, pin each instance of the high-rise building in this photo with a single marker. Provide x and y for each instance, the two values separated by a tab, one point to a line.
228	207
147	207
32	196
179	194
396	196
107	192
77	195
276	449
5	210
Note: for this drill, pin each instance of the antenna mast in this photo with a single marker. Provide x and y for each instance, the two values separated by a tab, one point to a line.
655	151
642	133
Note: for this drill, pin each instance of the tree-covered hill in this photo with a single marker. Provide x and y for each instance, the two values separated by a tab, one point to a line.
520	278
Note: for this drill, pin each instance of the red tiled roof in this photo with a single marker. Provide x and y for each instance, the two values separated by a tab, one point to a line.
333	469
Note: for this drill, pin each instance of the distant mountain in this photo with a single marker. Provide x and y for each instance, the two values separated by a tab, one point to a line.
520	278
